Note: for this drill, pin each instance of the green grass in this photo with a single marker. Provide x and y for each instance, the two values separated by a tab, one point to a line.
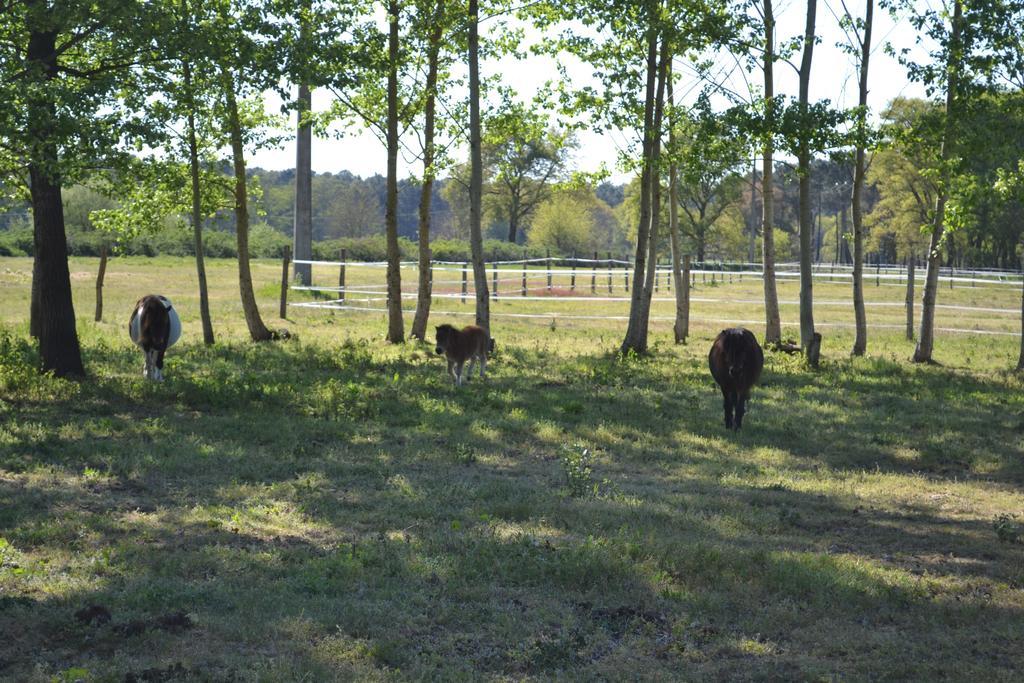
329	507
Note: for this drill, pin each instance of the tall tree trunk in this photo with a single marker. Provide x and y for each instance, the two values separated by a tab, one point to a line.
396	326
806	220
52	311
655	184
423	294
926	339
257	330
476	176
99	282
1020	359
513	220
860	342
682	287
197	212
303	225
634	341
773	325
752	245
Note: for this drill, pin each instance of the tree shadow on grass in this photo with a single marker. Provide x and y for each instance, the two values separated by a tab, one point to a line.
341	515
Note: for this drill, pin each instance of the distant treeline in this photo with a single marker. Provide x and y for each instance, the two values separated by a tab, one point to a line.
348	211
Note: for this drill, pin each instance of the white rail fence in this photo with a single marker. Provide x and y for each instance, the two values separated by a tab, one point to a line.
559	281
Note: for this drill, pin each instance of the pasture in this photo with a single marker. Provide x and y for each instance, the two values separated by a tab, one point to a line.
331	508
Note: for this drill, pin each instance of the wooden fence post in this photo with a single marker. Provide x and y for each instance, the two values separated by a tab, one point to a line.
494	278
283	313
593	275
625	274
549	271
464	265
99	282
609	272
341	276
524	274
572	277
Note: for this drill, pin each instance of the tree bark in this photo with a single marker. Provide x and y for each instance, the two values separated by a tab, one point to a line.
197	212
650	284
860	342
910	298
806	220
303	226
926	338
1020	359
682	284
635	337
773	325
476	182
752	245
257	330
52	310
396	326
99	282
513	220
423	294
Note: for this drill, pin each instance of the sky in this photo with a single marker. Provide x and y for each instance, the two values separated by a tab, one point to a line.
833	77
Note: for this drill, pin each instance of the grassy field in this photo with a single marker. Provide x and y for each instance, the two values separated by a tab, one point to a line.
330	508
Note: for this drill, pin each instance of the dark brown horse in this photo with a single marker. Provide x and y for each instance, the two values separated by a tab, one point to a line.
470	343
736	362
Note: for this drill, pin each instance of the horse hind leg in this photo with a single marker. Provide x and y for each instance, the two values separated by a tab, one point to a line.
483	364
728	399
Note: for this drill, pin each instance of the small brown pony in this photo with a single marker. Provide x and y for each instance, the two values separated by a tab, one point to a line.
470	343
736	361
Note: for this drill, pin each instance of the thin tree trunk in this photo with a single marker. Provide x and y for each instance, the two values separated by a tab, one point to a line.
860	342
752	246
926	339
303	225
910	298
33	313
423	295
634	340
773	325
197	212
513	221
257	330
476	178
806	220
52	310
1020	359
99	282
655	183
682	285
396	325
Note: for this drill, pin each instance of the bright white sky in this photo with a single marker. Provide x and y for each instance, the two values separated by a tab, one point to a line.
833	77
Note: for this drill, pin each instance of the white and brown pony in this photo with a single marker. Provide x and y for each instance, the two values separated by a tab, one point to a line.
154	327
471	343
